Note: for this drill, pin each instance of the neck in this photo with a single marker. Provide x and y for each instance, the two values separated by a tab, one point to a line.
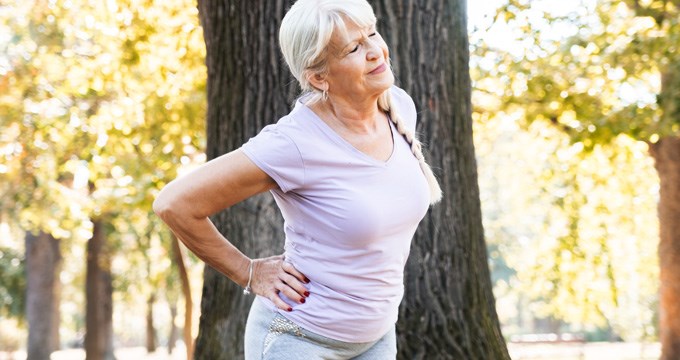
356	116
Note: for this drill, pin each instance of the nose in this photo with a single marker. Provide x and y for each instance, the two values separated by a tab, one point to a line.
374	51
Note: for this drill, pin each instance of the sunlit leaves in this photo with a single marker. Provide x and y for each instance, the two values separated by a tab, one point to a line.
101	102
600	79
577	230
105	83
586	67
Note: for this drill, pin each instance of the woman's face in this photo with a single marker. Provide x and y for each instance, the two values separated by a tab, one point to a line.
357	65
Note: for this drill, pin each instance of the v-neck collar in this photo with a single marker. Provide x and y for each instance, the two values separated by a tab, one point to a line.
344	143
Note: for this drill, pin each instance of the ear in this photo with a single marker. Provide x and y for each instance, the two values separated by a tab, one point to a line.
318	81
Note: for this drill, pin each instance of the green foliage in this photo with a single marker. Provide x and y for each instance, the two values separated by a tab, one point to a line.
13	285
97	88
101	104
592	72
576	230
577	220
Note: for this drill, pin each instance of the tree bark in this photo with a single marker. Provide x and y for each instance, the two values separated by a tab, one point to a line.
56	313
188	303
666	153
151	344
172	337
43	264
248	88
448	311
98	297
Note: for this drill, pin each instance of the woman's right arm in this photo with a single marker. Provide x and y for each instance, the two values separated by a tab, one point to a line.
186	203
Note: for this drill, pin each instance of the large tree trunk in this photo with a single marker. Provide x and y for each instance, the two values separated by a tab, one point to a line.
43	260
248	88
666	153
188	303
99	297
449	309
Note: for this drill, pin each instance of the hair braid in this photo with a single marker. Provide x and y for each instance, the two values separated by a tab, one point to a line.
385	103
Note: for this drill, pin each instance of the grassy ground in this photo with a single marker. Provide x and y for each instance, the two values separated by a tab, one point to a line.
136	353
589	351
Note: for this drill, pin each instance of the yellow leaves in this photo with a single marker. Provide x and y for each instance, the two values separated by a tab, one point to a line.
146	148
615	74
569	153
117	172
93	92
579	231
583	54
641	24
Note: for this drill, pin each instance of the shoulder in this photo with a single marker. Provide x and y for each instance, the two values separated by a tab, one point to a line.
400	95
405	105
276	151
284	137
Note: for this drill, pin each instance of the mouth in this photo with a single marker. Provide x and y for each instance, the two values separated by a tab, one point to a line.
379	69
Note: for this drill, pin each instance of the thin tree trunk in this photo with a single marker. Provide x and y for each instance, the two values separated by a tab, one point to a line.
99	298
43	260
449	308
172	337
150	329
188	303
666	153
56	313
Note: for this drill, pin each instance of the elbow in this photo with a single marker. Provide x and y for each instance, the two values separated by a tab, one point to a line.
163	205
173	206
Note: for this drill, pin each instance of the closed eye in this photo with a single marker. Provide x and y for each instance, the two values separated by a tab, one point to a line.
357	46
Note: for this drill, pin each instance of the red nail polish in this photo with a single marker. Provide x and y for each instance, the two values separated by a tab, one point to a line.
290	309
306	280
306	294
302	300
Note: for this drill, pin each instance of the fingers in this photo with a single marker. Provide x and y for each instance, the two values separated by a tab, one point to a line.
290	269
279	303
293	288
274	277
283	287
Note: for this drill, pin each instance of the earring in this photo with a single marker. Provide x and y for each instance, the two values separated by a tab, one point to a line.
324	95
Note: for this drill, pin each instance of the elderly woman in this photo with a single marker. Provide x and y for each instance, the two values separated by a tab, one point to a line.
350	179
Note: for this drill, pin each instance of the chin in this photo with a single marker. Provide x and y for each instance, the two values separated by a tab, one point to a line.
385	83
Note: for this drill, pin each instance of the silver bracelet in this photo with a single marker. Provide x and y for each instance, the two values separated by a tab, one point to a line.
247	289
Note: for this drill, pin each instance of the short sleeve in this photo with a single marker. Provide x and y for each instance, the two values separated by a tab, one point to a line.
405	106
277	155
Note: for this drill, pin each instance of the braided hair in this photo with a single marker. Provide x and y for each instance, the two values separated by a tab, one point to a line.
304	34
385	104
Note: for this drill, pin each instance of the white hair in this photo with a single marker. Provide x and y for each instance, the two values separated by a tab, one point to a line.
385	103
305	33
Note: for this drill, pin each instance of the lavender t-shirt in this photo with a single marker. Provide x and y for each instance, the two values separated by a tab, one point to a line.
349	220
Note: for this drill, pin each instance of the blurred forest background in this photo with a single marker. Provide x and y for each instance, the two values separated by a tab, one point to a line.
102	103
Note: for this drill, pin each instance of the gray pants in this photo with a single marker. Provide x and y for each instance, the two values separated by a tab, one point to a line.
270	336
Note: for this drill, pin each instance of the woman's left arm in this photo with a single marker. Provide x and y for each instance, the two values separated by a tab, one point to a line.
186	203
